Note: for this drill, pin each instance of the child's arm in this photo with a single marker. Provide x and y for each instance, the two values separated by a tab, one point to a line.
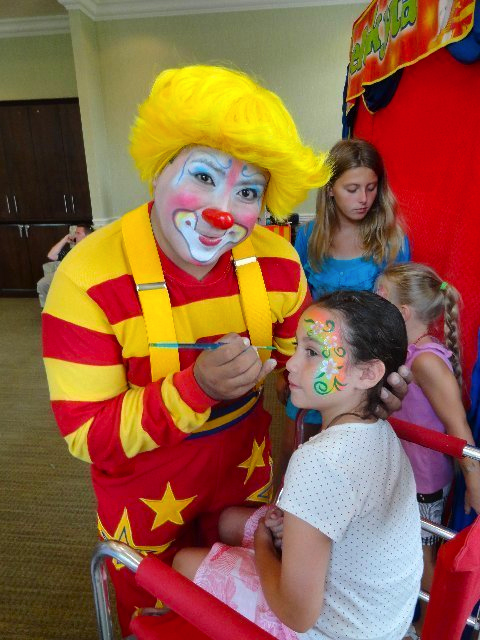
294	587
441	389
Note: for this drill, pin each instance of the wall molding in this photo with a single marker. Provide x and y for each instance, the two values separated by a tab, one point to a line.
125	9
39	26
306	217
99	10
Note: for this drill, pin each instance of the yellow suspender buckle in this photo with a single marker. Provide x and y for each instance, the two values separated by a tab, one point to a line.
148	286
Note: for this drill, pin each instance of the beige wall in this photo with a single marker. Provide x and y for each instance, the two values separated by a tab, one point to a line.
301	54
37	67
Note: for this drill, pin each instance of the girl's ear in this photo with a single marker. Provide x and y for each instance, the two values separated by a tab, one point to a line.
406	312
370	373
330	192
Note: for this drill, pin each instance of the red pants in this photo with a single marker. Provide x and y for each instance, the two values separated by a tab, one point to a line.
172	497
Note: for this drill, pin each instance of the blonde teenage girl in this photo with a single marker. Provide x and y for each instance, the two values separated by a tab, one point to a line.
355	235
356	231
434	397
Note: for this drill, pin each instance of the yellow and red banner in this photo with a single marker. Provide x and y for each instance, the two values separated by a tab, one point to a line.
391	34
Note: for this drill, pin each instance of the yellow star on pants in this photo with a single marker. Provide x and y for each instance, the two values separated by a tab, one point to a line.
265	493
123	533
255	460
168	509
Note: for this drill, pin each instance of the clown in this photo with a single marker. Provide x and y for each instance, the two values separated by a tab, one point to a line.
174	437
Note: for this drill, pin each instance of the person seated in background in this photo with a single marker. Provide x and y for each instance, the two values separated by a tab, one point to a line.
56	255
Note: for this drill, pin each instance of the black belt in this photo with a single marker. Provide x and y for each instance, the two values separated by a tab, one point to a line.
427	498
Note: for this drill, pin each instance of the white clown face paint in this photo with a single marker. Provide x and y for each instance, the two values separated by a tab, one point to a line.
199	181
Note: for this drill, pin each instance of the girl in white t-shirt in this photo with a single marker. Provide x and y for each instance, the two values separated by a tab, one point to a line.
347	521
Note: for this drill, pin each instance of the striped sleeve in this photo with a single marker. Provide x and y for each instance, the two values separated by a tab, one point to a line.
105	419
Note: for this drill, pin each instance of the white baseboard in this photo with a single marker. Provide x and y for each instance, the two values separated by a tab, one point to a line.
306	217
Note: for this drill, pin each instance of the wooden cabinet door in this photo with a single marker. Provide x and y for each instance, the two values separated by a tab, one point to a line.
15	269
43	171
6	206
50	160
21	168
40	238
76	164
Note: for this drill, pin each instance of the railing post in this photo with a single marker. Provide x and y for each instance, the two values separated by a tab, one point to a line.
130	558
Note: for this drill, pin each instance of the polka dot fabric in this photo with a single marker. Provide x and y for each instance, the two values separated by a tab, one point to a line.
354	483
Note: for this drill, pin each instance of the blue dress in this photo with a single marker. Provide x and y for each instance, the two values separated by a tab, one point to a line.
359	274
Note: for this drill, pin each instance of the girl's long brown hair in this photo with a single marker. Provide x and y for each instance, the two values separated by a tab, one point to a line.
381	229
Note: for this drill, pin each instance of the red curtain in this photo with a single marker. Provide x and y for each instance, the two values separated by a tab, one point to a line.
429	136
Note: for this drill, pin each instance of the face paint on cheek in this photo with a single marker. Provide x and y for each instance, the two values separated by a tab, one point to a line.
184	219
251	220
330	375
186	201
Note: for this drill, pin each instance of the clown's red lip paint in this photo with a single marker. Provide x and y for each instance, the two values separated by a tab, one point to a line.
209	242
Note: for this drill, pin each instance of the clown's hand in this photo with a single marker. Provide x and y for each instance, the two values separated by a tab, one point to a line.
232	370
392	399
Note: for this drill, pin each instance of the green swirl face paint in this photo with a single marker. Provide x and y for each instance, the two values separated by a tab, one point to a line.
330	374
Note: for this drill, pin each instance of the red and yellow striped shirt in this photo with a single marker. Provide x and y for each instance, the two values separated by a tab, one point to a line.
96	347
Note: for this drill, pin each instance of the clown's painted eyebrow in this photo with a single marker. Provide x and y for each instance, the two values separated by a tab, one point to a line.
254	175
211	160
255	179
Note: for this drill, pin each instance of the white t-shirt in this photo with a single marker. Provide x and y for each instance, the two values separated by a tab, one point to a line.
355	484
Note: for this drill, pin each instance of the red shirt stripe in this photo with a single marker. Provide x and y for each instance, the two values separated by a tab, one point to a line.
156	420
280	274
117	298
70	414
63	340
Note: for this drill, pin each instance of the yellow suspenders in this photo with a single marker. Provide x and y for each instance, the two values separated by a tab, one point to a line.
153	294
253	296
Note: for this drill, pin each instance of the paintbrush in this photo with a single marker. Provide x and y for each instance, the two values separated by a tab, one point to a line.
197	345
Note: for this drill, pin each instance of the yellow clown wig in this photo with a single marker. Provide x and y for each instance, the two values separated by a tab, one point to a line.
226	110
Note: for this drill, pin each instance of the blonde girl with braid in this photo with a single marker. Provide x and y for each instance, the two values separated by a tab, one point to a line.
434	398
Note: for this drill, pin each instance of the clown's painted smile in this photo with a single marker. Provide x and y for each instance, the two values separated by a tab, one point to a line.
205	202
204	246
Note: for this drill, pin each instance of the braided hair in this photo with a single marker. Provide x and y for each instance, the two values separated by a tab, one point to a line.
421	288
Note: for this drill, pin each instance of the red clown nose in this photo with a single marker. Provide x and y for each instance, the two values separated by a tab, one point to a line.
218	219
